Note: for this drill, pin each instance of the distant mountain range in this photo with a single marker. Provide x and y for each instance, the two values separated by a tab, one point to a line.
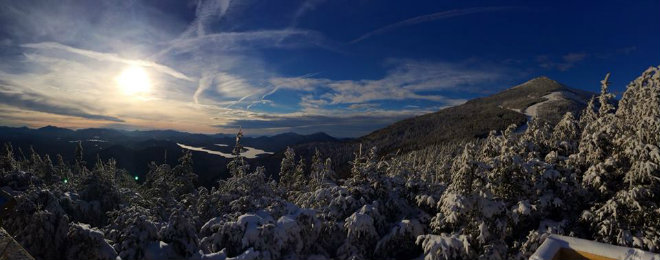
541	98
134	150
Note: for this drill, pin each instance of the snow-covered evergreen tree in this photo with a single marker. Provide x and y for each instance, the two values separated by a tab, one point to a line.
287	168
589	114
317	171
565	135
444	247
181	234
361	234
468	197
86	242
39	224
238	166
627	212
184	179
597	156
458	200
79	164
7	160
132	231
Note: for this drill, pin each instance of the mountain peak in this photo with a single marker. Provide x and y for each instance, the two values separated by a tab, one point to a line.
541	83
50	127
54	129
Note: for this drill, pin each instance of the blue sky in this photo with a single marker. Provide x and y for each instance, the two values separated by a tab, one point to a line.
342	67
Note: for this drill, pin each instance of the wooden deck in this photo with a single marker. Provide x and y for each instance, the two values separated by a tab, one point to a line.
557	247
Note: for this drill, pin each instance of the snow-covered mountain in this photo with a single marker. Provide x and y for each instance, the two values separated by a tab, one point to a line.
541	98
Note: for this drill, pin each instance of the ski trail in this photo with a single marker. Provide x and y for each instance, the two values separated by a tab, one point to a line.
532	111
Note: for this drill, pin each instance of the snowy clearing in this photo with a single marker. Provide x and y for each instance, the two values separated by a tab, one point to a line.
532	111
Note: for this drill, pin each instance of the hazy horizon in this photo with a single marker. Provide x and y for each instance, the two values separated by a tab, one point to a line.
246	134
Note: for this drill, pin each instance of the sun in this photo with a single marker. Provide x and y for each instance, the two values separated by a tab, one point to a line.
134	81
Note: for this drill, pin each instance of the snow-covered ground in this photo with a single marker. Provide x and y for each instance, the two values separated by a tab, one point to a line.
532	111
251	152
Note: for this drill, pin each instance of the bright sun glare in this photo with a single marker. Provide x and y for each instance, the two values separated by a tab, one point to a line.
134	81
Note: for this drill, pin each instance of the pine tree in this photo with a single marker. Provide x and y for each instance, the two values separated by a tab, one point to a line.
184	178
88	243
47	170
628	213
39	224
159	181
361	234
588	114
63	171
329	172
605	97
317	173
132	231
565	135
479	194
78	158
7	160
180	233
98	189
597	156
287	169
238	166
457	201
299	180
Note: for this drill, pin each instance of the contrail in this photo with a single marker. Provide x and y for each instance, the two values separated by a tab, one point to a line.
432	17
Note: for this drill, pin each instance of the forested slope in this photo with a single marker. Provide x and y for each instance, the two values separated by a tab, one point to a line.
477	117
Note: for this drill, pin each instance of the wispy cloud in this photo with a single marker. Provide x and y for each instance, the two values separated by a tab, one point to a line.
410	79
227	85
40	103
206	11
306	6
305	82
363	106
203	84
432	17
237	41
564	63
346	123
112	57
343	106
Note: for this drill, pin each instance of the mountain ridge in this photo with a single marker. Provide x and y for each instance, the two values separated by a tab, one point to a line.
476	117
469	121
